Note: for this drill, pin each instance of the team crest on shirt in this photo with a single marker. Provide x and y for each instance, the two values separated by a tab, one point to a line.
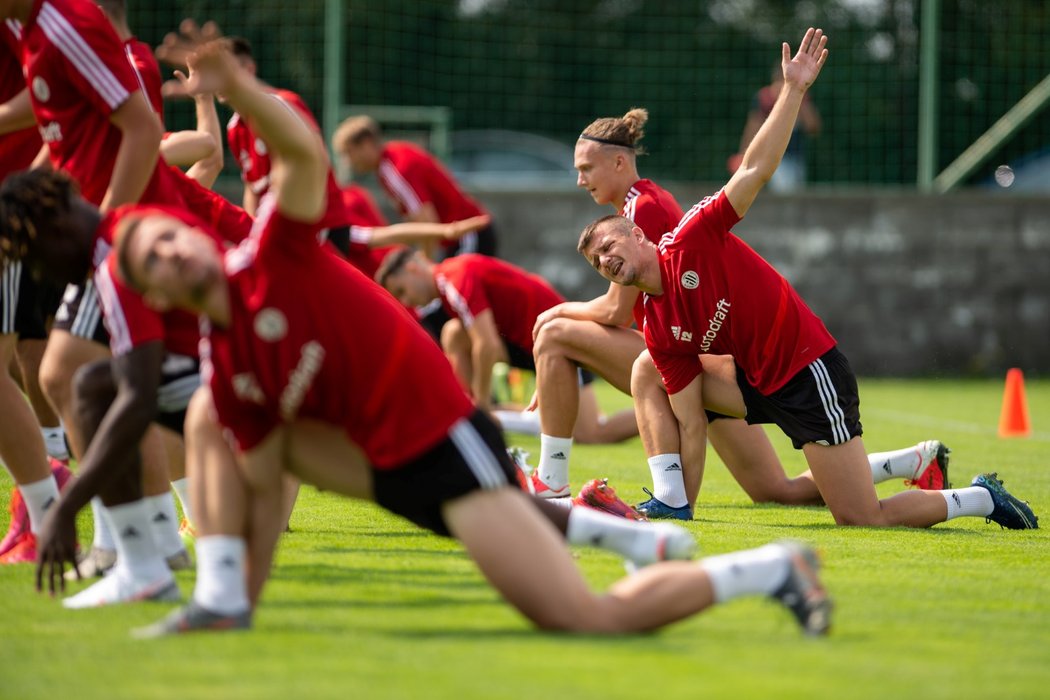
690	280
260	147
271	325
41	90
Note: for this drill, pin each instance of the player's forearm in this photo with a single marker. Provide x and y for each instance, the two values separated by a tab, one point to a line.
134	164
483	359
206	169
17	113
407	233
112	450
287	135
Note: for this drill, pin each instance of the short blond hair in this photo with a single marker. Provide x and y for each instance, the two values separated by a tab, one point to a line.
354	130
625	131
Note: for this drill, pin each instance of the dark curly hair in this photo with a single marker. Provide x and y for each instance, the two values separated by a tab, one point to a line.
30	203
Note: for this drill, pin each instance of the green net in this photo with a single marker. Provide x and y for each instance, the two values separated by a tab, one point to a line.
548	67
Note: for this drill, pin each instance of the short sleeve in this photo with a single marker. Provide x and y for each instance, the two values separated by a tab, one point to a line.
94	60
128	319
711	217
650	217
464	294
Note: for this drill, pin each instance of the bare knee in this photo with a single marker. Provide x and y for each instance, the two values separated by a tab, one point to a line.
454	336
56	381
553	336
644	376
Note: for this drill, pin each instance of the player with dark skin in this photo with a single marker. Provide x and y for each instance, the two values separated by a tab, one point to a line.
113	424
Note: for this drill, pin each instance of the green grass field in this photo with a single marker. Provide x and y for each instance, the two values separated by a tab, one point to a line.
361	604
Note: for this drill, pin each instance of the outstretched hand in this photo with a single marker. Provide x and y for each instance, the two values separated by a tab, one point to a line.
804	68
211	68
175	48
56	545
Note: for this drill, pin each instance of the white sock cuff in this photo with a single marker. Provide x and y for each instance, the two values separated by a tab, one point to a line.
668	481
970	501
749	572
103	538
38	497
553	467
525	422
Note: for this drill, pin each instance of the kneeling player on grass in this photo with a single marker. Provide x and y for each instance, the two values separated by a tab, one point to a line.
710	296
341	409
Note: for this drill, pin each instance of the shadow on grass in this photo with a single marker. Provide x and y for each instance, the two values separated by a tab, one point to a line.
328	575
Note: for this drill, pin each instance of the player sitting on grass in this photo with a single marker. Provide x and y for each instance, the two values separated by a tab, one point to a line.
337	401
728	333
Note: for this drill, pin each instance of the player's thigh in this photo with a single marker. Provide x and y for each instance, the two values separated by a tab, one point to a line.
721	391
748	455
521	555
64	355
608	351
843	476
321	454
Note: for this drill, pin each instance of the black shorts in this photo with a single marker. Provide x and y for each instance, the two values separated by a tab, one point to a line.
80	314
26	304
180	377
819	404
482	241
472	457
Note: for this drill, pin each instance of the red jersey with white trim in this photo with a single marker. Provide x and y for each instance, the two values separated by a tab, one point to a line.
18	148
370	369
140	55
231	222
472	283
721	297
253	156
129	320
412	177
656	212
362	215
78	75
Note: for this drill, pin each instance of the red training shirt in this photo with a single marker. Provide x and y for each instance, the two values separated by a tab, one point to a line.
370	368
412	177
656	212
470	284
721	297
253	156
18	148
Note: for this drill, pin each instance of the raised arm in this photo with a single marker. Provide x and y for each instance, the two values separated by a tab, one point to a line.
766	149
300	164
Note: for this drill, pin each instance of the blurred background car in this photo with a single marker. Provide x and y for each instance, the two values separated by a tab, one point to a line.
507	160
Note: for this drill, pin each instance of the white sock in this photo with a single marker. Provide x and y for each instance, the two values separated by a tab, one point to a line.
593	528
103	532
55	442
553	468
750	572
221	585
136	550
182	490
164	521
38	497
972	500
526	422
898	464
668	484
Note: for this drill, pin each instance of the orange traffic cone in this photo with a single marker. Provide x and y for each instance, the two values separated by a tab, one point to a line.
1013	421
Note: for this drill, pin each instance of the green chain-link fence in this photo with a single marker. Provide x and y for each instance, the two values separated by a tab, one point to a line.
550	66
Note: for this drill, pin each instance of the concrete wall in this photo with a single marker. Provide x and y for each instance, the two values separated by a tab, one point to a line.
908	284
